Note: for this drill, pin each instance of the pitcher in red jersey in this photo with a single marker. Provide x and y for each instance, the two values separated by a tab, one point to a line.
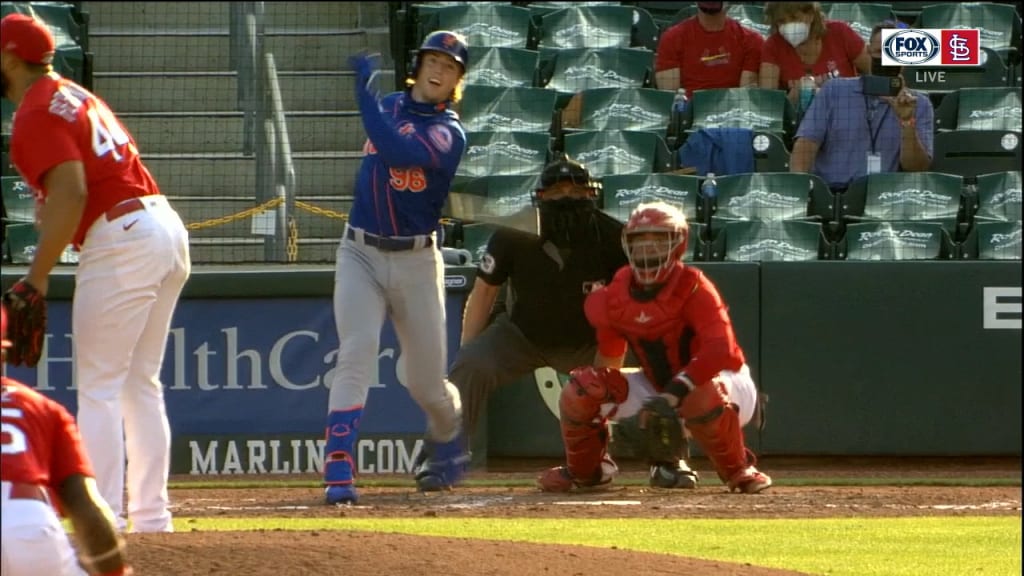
42	458
94	192
675	321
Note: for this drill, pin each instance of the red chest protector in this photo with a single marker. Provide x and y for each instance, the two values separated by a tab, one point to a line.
655	327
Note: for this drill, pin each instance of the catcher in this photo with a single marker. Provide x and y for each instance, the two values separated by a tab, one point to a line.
693	369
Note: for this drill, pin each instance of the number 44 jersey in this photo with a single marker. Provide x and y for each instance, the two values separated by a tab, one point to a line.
58	121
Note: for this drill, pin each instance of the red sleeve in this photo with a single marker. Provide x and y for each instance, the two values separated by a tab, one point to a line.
716	348
68	455
770	50
668	54
753	43
852	43
610	343
35	156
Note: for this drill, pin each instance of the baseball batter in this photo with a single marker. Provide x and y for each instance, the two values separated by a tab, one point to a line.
94	192
389	262
673	318
42	458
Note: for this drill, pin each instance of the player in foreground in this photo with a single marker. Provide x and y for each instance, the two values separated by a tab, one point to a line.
677	324
43	458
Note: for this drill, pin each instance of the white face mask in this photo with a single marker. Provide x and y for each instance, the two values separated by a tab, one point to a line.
795	32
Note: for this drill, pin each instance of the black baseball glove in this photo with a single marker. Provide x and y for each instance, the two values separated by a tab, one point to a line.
655	432
26	319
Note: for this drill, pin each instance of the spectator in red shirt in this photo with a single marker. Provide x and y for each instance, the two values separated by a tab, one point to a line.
803	43
709	50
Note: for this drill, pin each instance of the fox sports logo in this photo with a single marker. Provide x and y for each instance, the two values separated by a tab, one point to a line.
911	47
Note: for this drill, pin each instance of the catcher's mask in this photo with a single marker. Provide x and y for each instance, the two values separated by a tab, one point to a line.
4	342
654	239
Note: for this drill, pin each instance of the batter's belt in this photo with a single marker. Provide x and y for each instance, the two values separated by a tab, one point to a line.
23	491
388	243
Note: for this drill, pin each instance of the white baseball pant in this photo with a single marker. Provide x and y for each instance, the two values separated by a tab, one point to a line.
32	540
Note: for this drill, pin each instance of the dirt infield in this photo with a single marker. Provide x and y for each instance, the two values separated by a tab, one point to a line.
361	553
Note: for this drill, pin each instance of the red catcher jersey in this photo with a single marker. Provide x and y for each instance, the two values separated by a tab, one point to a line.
59	121
41	444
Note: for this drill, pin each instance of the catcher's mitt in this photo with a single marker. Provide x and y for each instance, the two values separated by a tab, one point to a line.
26	318
655	431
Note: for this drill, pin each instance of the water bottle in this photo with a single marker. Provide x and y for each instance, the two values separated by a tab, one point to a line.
709	189
807	86
680	103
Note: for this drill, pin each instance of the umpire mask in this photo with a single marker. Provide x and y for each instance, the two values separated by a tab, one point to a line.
567	202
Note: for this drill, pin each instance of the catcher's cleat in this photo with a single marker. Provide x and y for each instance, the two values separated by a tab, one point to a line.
673	475
441	466
749	481
559	479
341	494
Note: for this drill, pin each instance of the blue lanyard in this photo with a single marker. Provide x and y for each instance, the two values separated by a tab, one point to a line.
868	113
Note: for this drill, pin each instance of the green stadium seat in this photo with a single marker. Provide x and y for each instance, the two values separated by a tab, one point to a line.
634	109
502	66
475	237
980	109
605	26
895	241
622	193
906	196
969	153
489	24
573	70
503	109
861	17
6	115
772	196
619	152
998	240
750	16
770	153
19	201
755	108
775	241
1000	24
22	239
504	153
998	197
493	197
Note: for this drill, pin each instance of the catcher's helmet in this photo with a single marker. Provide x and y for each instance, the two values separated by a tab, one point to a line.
446	42
565	168
652	260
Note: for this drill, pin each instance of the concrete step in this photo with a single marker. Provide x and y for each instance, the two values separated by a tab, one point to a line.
234	175
218	91
238	251
138	17
159	52
223	132
196	210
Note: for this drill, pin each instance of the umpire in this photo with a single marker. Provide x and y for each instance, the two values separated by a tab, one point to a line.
579	248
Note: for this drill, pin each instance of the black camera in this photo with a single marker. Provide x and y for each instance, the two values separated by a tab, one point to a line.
882	85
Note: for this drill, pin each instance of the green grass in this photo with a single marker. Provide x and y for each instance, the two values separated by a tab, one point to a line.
988	546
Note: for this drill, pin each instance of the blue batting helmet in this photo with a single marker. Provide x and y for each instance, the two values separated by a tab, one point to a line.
446	42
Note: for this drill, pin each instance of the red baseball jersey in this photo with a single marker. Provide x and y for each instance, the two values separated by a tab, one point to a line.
839	48
41	444
59	121
684	327
709	59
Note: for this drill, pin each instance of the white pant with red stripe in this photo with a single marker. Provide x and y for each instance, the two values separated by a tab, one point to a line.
32	540
130	275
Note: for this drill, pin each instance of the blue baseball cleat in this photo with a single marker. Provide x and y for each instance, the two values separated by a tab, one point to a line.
339	467
441	466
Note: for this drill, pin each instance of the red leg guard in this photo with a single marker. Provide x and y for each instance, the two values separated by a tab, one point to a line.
715	424
584	430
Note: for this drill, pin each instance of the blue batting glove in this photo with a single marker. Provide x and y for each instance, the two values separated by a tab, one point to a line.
364	64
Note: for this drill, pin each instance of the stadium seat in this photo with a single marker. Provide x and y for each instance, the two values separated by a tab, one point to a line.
19	201
775	241
750	16
475	237
622	193
6	115
770	153
619	152
980	109
573	70
972	152
1000	24
502	109
861	17
907	197
996	241
755	108
487	24
492	197
504	153
21	242
998	197
605	26
635	109
772	196
503	67
895	241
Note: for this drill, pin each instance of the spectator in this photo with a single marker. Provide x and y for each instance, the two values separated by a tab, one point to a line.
803	43
709	50
848	133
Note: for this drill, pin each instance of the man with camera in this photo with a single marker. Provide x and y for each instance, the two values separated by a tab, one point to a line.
866	125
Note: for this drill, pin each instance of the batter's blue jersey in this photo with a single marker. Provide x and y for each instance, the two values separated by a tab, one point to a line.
410	160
